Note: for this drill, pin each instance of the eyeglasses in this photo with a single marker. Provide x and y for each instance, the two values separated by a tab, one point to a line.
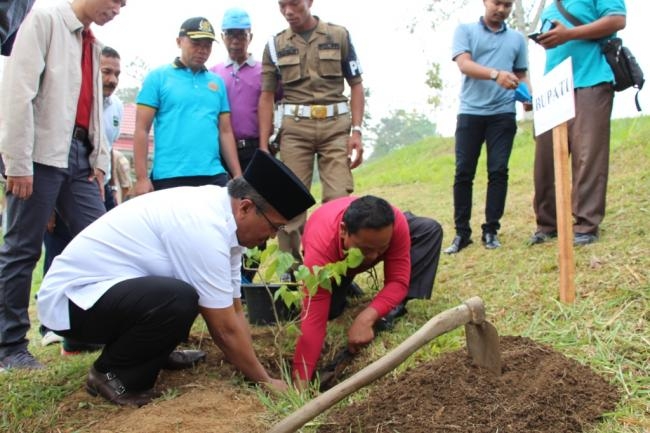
274	226
236	34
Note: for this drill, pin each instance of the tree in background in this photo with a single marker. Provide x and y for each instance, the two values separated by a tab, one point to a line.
525	18
400	129
136	70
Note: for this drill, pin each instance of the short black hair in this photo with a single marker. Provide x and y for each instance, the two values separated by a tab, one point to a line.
110	52
368	212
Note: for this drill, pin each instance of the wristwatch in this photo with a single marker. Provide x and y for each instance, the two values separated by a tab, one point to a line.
494	74
357	128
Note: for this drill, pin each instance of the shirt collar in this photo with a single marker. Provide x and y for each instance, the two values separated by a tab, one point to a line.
70	19
503	28
250	61
320	28
177	63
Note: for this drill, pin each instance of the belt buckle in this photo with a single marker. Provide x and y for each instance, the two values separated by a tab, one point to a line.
318	111
241	144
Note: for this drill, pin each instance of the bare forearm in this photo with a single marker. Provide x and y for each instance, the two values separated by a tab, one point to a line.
140	151
229	153
265	119
600	28
235	341
474	70
357	104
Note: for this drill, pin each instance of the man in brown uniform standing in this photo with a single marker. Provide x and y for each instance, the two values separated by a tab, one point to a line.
312	60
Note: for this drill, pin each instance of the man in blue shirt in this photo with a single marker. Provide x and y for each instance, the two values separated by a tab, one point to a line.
589	130
493	60
188	107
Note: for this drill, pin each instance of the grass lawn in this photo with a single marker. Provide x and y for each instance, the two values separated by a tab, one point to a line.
607	328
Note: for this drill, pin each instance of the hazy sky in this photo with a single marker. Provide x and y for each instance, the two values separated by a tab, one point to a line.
394	61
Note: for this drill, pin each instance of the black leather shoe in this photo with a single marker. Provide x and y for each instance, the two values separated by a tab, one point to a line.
540	237
490	241
387	322
183	359
109	386
457	244
584	238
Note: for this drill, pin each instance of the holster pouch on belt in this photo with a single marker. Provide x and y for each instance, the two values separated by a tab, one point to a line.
274	141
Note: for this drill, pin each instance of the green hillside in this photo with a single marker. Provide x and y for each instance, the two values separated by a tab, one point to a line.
607	328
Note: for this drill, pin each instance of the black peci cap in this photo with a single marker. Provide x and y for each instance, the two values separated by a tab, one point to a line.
279	186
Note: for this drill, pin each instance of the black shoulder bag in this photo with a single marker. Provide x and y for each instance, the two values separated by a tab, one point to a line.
627	72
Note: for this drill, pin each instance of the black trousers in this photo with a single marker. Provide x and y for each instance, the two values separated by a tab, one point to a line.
498	132
173	182
140	321
426	243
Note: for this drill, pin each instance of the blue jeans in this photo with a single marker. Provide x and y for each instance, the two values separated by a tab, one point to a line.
498	132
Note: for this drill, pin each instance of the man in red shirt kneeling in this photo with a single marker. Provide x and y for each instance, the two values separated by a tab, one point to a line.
408	245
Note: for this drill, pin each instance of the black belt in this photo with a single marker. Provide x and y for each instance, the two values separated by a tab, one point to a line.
80	133
247	142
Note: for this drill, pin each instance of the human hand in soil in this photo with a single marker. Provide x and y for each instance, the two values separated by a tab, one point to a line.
361	333
276	385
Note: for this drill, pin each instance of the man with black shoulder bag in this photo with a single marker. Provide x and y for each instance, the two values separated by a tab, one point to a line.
589	130
627	72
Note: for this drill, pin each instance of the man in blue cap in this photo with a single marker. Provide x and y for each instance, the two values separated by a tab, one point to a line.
243	78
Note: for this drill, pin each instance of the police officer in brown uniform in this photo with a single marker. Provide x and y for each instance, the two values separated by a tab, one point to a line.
312	60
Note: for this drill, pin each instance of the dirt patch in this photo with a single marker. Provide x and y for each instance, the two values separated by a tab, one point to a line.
540	391
211	398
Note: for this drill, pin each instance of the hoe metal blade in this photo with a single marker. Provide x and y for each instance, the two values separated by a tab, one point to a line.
483	346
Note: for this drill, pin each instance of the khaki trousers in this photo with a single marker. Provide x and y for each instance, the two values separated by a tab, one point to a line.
589	134
327	141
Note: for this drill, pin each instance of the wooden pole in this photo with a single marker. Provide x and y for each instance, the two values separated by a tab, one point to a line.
564	213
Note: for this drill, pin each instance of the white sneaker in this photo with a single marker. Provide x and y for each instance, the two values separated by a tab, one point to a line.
50	338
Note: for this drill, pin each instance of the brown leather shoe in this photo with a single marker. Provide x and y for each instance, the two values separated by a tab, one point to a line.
182	359
109	386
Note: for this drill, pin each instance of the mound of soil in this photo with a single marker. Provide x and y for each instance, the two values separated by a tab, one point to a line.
539	391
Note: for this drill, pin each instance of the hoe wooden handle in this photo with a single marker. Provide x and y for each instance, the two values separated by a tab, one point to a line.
471	310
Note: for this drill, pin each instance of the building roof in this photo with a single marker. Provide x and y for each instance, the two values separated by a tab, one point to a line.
124	143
